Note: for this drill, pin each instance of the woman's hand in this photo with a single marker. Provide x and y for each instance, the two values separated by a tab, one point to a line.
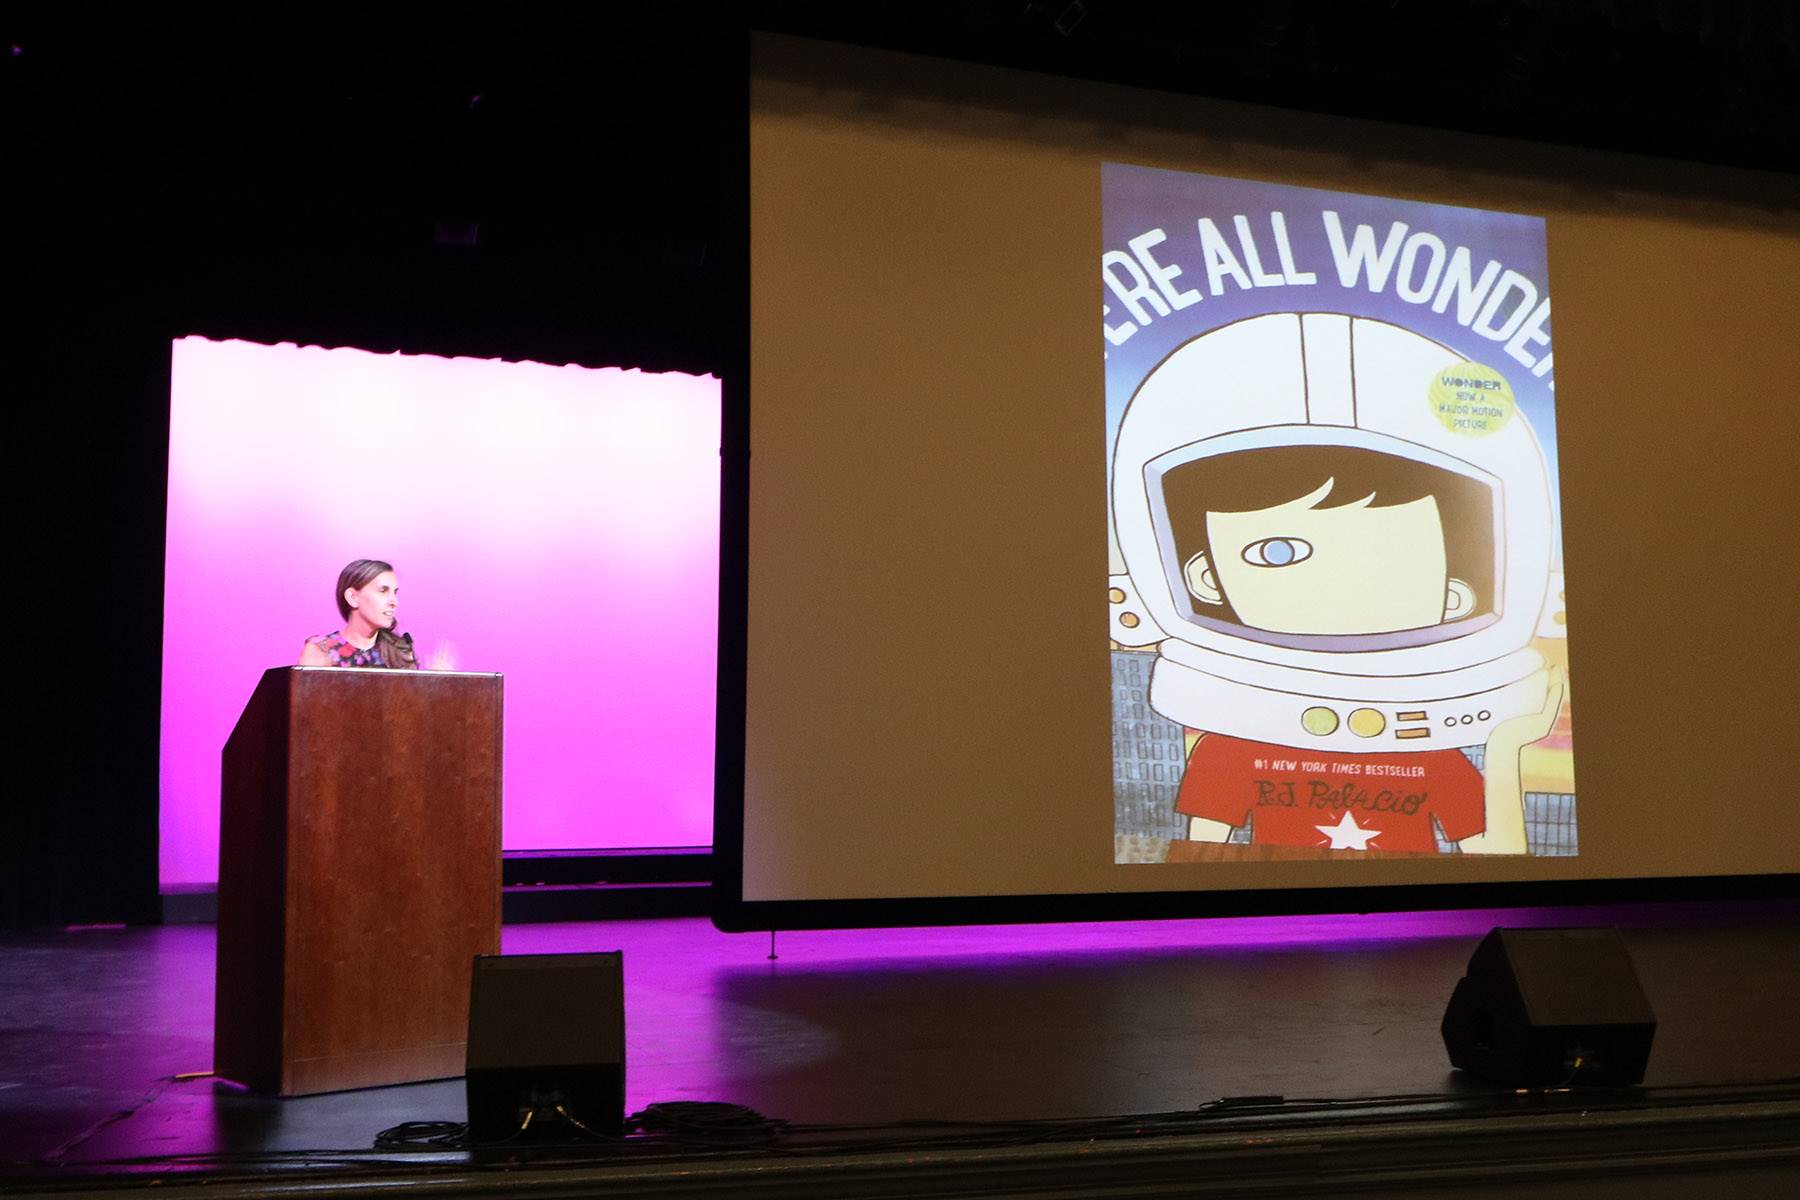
443	658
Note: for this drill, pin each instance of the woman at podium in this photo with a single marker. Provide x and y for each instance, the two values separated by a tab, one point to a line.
368	598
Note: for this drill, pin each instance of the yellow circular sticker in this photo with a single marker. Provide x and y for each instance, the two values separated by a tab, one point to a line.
1471	398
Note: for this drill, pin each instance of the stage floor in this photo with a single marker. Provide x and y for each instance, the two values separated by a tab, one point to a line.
985	1024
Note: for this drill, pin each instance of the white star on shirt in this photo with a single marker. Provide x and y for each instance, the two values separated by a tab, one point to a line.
1347	834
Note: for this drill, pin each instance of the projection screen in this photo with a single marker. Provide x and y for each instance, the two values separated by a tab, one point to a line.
1289	384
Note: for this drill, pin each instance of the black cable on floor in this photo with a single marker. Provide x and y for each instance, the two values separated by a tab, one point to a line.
706	1119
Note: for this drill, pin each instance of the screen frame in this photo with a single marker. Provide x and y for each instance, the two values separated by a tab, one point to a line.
733	913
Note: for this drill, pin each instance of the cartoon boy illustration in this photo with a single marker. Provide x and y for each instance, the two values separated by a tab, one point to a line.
1341	588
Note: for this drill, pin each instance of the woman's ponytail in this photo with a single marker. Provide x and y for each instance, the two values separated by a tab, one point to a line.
397	650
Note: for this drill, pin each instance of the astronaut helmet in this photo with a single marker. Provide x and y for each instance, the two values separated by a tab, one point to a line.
1310	538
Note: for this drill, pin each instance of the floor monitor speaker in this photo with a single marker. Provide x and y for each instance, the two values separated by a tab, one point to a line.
546	1046
1550	1008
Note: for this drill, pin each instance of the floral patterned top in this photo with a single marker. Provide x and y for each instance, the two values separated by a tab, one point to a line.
338	649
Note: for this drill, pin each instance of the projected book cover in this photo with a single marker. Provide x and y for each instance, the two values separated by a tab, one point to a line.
1335	594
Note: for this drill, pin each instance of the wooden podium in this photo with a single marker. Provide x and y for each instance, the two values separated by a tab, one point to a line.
359	875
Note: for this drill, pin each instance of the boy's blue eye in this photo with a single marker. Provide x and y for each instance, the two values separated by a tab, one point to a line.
1277	552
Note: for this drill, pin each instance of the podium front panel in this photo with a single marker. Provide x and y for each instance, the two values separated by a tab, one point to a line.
390	872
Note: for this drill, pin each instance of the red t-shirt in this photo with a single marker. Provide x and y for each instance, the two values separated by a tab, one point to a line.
1342	801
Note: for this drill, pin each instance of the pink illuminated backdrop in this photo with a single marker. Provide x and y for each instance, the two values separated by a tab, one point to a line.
555	524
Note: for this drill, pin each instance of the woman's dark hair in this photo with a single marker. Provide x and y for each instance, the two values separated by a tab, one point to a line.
396	648
1251	480
359	574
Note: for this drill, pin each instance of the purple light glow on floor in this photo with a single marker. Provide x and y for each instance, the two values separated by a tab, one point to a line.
842	947
555	524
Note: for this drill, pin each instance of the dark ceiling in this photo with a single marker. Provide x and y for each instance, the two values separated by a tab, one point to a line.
1707	80
622	126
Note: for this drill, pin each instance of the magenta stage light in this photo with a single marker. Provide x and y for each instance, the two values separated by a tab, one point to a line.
555	524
